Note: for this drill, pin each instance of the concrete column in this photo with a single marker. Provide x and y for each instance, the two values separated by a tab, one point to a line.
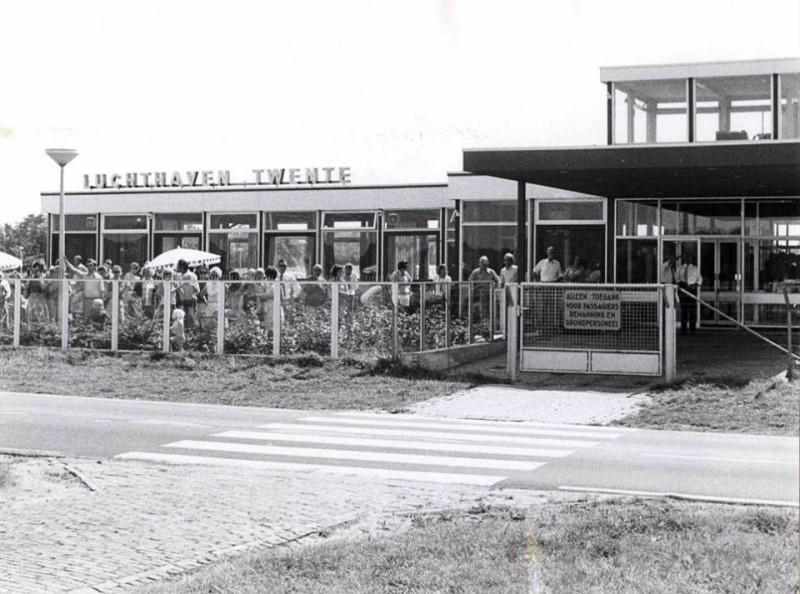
220	317
670	305
512	336
335	320
114	315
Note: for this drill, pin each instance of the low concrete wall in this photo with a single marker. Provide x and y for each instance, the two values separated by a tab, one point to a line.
446	358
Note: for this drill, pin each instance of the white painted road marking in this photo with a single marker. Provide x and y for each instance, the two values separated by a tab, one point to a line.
428	425
397	444
693	497
381	473
435	435
715	459
241	448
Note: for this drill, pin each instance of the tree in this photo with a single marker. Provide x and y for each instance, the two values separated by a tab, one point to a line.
30	234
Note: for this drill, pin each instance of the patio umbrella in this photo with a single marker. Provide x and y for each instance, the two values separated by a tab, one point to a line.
9	262
193	258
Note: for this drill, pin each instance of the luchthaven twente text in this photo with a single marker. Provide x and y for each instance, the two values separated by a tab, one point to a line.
310	176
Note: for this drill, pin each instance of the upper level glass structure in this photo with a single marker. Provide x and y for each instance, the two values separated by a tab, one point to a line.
754	100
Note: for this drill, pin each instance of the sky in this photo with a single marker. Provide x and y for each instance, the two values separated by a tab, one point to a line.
393	90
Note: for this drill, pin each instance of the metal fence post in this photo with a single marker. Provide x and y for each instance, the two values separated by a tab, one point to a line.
395	334
114	315
335	320
220	317
421	317
448	300
167	314
491	312
670	302
17	308
63	305
276	320
790	374
469	313
512	338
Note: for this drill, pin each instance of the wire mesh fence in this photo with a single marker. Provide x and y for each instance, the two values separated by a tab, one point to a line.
259	317
600	317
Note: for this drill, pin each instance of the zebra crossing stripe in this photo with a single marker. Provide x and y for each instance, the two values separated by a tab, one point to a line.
361	471
533	441
390	458
397	444
487	428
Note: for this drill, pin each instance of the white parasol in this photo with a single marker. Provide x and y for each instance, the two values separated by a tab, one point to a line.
9	262
193	258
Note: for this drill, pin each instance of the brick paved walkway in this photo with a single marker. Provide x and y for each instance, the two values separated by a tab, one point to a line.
147	522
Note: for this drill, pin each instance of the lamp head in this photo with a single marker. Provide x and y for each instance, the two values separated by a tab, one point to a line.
62	156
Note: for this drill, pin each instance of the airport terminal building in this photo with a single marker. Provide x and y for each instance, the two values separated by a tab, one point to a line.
701	159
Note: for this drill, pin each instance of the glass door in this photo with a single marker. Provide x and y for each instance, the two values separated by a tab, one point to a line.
297	250
420	250
719	267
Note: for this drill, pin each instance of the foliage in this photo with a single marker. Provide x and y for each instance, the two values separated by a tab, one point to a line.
30	234
140	334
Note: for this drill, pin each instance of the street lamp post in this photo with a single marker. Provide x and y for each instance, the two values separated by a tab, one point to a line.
62	157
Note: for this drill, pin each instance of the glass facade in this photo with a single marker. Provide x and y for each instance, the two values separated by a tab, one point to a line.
125	239
733	108
488	228
80	235
174	230
651	111
790	106
234	237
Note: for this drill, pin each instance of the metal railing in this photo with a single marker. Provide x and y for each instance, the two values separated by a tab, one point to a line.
252	316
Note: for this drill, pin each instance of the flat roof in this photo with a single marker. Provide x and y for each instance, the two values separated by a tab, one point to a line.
699	70
713	169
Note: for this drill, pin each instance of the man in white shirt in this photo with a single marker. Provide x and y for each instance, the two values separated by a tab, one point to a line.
689	279
669	271
548	270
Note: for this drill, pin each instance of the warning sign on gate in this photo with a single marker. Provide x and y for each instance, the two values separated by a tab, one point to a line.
592	310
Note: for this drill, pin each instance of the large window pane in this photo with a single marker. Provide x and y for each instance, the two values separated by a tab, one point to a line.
179	222
586	242
125	222
165	242
490	211
412	219
238	251
297	251
349	220
779	218
420	251
87	222
290	221
733	108
637	261
77	244
790	106
637	219
651	111
124	248
233	221
358	248
491	241
779	261
719	217
577	210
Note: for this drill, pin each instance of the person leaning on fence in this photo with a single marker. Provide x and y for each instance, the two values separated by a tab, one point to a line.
484	279
313	290
187	291
441	286
130	291
401	284
689	280
92	285
546	307
509	274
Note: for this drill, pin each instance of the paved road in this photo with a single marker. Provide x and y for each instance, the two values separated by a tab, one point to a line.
410	447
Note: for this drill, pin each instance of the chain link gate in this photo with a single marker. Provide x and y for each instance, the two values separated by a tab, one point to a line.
597	329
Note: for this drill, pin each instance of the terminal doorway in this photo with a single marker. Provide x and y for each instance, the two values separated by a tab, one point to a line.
719	267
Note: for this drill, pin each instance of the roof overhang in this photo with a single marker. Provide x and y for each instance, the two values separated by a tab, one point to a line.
715	169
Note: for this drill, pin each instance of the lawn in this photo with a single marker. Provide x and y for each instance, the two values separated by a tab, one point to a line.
764	406
299	382
620	546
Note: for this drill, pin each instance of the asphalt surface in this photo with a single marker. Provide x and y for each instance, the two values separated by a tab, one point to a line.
410	447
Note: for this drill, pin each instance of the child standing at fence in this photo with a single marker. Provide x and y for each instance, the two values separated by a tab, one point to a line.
177	330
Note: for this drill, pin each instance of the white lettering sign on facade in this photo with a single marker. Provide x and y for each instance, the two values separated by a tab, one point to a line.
592	310
207	178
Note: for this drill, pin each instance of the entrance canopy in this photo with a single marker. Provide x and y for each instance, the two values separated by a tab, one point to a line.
768	168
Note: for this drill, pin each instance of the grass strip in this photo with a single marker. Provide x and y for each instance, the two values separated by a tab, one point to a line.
621	546
297	382
764	406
